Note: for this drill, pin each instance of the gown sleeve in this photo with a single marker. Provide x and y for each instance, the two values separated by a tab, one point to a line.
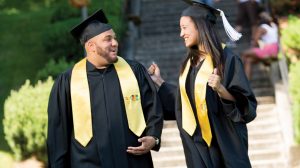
167	94
150	103
236	82
59	124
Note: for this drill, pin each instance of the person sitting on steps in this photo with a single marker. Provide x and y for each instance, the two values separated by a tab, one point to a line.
266	44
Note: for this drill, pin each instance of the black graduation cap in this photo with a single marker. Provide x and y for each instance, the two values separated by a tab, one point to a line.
94	25
198	9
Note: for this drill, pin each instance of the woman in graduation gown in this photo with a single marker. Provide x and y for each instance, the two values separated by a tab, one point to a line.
214	101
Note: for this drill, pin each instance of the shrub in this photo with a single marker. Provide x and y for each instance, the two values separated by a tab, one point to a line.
291	39
53	69
295	93
25	120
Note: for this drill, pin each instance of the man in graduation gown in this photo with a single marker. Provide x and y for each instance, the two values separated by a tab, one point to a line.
211	113
104	112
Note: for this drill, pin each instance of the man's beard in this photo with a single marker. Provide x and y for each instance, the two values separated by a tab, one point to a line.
106	56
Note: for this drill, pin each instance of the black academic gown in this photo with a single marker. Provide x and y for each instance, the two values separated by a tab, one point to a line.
111	134
229	147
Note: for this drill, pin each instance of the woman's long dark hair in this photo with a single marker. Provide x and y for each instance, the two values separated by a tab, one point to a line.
208	38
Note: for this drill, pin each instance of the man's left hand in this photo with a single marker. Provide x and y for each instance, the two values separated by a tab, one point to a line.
148	142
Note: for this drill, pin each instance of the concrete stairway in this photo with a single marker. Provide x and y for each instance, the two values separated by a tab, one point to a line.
159	41
266	143
171	153
267	148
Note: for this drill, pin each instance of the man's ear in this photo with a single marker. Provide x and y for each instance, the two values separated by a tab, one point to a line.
90	46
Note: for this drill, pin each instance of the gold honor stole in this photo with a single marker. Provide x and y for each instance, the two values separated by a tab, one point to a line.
81	105
188	118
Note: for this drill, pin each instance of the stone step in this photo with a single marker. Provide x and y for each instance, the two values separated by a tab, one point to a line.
272	133
171	141
270	163
172	151
168	161
163	42
153	49
264	100
266	91
261	83
170	124
265	107
262	125
167	6
263	119
264	143
169	133
265	154
172	17
255	127
265	116
175	141
260	76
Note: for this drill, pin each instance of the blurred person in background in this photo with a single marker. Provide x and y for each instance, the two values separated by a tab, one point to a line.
266	42
248	15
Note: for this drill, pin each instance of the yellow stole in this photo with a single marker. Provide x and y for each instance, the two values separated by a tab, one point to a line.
188	118
81	106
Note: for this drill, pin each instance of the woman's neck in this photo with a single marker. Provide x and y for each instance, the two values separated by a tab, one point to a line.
202	53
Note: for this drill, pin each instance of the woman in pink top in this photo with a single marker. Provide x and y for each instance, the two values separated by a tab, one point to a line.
266	40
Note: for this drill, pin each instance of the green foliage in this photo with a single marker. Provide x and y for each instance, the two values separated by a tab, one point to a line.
21	55
63	11
291	39
285	7
115	15
25	120
26	5
295	93
59	43
53	69
57	40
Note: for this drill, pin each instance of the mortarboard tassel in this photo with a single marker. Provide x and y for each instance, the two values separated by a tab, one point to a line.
230	31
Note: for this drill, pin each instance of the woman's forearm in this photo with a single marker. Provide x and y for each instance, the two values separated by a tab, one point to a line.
224	94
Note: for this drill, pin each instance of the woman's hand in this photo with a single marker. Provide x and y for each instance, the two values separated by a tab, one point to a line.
214	81
154	73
